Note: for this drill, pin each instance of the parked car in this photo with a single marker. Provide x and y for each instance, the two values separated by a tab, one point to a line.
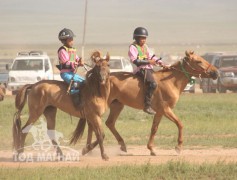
227	66
29	68
190	87
209	56
4	72
3	79
120	64
204	84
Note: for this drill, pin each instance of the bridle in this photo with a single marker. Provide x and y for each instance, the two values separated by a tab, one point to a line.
196	70
189	75
96	67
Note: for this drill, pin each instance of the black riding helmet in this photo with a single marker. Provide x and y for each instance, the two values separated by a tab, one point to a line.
140	32
65	34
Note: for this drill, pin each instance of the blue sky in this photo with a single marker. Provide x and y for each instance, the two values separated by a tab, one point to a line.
113	21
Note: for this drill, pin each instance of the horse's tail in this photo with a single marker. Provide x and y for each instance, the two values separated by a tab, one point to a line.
77	134
19	103
21	97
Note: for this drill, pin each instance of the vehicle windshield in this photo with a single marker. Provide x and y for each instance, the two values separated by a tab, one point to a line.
229	61
115	64
28	64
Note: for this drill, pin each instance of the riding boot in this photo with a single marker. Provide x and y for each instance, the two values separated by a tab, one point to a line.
75	88
148	97
75	94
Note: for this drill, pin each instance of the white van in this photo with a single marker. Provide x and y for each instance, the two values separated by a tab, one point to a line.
29	68
120	64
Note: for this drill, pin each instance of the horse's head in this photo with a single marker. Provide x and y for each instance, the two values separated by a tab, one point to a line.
2	92
101	66
197	66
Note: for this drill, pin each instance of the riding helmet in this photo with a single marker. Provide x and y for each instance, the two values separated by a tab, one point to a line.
140	31
65	34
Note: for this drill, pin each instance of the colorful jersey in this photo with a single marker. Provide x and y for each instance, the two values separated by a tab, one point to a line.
138	52
67	58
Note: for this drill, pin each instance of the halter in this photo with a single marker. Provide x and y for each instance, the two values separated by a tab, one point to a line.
205	70
189	75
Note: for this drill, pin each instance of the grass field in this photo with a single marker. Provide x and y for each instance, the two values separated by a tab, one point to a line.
170	170
209	121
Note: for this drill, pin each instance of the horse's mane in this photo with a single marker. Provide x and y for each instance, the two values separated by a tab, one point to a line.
92	82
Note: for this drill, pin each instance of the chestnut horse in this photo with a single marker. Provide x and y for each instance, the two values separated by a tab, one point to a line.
2	93
46	96
127	89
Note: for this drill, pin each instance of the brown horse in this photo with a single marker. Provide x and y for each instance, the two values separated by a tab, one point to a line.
2	93
127	89
46	96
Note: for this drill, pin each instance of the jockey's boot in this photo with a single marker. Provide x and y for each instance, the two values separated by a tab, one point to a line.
148	96
75	88
75	94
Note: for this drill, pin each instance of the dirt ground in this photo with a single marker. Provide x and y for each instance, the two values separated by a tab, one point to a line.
136	155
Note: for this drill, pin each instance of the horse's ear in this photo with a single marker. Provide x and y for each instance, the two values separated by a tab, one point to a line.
95	57
107	57
188	53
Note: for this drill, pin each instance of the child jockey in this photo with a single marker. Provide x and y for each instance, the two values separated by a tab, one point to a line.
68	60
144	59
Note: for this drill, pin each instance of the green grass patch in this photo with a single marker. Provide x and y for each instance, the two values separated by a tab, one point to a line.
170	170
209	120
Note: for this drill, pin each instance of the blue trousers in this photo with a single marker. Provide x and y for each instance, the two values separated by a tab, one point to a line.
67	76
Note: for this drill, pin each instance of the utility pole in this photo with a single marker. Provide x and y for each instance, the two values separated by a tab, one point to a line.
84	31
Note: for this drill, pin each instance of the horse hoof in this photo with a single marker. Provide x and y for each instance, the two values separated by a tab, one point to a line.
15	157
178	150
105	157
153	153
84	151
60	157
123	148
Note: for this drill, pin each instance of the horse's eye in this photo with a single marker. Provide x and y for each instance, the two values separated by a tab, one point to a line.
108	65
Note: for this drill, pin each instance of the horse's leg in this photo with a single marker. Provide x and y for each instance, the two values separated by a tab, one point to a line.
115	109
89	145
154	128
97	127
33	116
170	115
50	115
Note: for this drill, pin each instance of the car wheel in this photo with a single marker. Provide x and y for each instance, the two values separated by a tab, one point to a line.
210	87
205	86
221	88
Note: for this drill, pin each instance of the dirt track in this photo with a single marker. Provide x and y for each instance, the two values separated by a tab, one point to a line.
135	155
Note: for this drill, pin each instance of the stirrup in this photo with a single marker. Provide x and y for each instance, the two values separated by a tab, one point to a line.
149	110
74	91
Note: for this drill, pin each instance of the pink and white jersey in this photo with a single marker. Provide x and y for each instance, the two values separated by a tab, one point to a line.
64	57
133	55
